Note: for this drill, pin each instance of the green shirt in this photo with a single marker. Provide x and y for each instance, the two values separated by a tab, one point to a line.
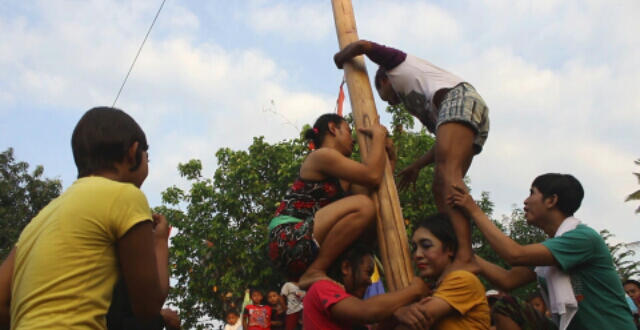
583	254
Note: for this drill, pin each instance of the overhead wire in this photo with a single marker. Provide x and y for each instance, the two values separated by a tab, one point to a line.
138	54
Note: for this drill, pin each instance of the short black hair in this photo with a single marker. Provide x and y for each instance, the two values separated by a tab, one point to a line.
232	312
320	128
353	255
634	282
565	186
440	226
102	137
255	290
381	73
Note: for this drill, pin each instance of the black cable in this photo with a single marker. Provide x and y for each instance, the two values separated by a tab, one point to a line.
138	54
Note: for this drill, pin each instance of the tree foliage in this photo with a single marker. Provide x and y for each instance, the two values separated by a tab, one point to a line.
623	260
22	195
220	249
635	196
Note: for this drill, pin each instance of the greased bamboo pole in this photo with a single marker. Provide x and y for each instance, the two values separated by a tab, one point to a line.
392	237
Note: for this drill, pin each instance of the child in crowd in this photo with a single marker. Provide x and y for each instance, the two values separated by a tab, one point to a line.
278	310
256	316
448	106
319	216
294	304
536	301
232	321
62	271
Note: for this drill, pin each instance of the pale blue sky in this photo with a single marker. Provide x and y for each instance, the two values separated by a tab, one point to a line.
561	79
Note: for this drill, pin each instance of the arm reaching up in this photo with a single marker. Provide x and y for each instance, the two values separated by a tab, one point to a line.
509	250
386	57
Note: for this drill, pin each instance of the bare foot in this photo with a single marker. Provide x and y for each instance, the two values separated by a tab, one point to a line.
311	276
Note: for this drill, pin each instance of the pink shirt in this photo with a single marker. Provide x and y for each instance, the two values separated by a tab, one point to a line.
317	303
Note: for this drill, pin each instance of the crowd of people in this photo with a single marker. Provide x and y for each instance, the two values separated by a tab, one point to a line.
96	257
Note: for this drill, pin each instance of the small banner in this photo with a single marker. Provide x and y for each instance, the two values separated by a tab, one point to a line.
340	99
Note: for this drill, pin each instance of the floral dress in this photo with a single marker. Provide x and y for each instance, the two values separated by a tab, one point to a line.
292	247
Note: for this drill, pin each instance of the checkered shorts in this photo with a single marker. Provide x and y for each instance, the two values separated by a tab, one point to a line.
463	104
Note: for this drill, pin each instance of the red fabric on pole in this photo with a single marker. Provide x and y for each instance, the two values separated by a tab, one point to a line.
340	100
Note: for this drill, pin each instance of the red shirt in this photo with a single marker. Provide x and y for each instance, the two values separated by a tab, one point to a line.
321	296
259	317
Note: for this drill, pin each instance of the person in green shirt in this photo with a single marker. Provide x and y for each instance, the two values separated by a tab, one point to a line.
573	248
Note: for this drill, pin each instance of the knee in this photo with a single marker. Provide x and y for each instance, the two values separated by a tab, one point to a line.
366	207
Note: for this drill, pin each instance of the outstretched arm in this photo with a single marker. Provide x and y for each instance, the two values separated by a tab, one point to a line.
509	250
384	56
352	50
409	174
505	279
375	309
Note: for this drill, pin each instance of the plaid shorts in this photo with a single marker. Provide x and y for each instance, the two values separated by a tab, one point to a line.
463	104
292	247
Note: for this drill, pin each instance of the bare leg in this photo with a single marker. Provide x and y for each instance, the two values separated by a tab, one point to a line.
335	227
454	153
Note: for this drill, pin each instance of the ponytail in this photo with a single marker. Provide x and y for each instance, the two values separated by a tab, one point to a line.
316	134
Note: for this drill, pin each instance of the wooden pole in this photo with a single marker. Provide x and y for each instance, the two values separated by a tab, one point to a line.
392	235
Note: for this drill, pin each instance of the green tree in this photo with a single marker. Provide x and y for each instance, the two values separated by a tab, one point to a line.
220	249
22	195
635	195
622	257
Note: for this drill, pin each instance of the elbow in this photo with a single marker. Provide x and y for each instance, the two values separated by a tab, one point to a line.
376	179
372	179
515	257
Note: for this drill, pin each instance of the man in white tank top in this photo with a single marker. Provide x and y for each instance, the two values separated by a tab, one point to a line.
448	106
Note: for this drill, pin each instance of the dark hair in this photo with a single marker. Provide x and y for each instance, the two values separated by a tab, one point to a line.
634	282
534	296
565	186
353	255
102	137
440	226
255	290
232	312
321	127
381	73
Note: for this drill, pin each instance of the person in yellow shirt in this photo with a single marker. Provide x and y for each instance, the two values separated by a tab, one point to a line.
458	300
62	271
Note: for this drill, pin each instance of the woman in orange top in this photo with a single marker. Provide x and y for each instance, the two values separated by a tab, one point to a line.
458	300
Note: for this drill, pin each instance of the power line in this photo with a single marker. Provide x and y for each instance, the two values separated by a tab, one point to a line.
138	54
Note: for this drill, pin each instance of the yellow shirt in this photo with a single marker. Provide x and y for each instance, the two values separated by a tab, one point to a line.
66	262
464	293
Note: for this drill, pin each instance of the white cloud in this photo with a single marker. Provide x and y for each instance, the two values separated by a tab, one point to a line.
312	21
412	25
191	98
